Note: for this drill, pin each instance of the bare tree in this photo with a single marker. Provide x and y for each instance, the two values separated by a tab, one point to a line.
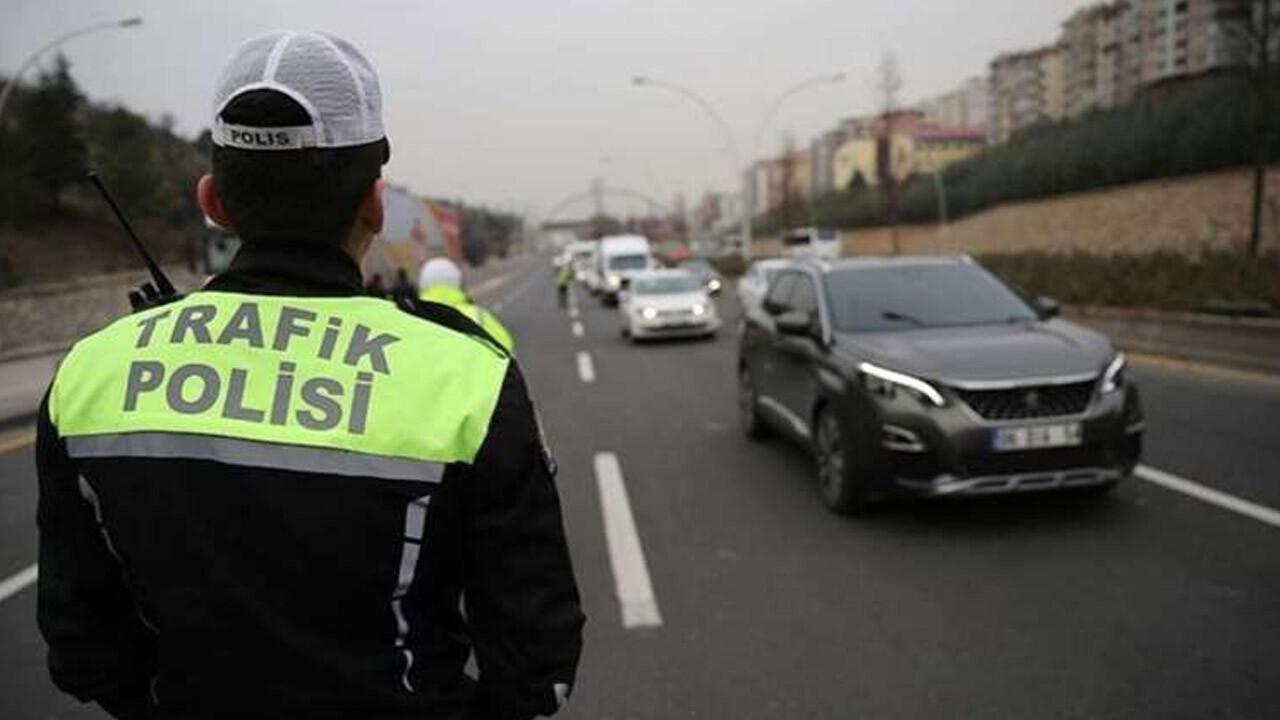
1254	29
890	86
787	182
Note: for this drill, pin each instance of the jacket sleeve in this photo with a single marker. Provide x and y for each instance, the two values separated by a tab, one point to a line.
521	597
99	650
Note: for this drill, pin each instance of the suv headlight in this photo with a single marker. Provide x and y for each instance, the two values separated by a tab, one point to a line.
648	313
1113	376
699	309
884	381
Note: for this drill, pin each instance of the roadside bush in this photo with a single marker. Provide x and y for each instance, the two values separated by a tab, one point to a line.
1195	127
1213	281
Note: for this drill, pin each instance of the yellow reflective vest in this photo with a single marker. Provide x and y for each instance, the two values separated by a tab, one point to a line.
458	300
333	374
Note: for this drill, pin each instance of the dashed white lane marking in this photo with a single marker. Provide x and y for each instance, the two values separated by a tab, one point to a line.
15	584
586	370
1244	507
577	329
573	311
630	571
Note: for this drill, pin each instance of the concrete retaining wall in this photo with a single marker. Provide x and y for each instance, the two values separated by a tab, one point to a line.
1183	214
1246	343
37	317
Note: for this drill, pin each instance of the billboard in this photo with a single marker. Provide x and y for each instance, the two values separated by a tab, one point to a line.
413	231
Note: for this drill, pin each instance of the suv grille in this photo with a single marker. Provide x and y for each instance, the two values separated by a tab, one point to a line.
1038	401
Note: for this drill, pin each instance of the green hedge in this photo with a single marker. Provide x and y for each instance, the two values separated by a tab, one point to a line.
1194	127
1212	281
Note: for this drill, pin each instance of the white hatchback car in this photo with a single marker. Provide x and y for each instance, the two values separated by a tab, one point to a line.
667	303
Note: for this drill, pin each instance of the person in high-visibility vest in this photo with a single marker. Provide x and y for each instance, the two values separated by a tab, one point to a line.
440	281
278	497
564	277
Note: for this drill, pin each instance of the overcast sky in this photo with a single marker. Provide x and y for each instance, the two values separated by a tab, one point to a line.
520	103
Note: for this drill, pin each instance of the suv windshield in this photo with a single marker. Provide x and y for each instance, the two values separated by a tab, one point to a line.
905	296
628	262
665	285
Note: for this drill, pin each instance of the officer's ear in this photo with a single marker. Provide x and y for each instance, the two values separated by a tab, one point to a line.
372	212
211	202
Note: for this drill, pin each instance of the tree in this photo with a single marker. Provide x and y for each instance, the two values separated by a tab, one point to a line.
890	85
787	182
1257	31
55	138
125	152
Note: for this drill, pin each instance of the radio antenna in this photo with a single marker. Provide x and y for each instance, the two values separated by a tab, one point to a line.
163	287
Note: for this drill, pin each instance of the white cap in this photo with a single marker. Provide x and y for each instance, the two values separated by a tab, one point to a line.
439	271
328	77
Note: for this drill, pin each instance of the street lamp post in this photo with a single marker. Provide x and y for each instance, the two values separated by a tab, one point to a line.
739	169
940	188
35	56
785	95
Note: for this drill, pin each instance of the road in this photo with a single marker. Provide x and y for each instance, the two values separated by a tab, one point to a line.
756	603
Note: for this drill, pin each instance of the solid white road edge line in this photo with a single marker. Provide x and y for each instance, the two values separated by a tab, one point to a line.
577	329
1169	481
586	371
630	572
17	583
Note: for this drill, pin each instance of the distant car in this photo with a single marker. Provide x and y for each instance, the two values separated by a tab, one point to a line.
753	284
582	255
702	270
928	376
667	303
811	243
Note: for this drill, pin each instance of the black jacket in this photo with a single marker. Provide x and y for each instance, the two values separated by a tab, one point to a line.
179	588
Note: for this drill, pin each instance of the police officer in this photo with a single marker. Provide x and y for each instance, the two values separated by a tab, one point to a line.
278	497
564	277
440	281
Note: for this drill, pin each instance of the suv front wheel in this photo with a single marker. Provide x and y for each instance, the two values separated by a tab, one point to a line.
841	490
749	407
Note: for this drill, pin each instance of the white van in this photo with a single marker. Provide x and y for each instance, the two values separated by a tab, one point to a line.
620	257
811	242
581	255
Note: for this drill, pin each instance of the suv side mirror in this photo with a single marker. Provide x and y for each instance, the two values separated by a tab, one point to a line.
1046	307
795	322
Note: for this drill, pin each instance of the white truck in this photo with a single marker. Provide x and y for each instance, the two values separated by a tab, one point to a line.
618	258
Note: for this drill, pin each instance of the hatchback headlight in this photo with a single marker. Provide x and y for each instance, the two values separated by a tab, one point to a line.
1113	376
884	381
699	309
648	313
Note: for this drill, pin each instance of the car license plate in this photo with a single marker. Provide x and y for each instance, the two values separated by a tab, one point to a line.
1035	437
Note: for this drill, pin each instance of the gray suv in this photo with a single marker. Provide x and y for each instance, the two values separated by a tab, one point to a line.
929	376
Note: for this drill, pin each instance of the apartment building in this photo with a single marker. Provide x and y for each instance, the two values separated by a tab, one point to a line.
1026	88
962	107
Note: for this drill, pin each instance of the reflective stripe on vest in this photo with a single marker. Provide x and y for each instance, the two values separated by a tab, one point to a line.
328	377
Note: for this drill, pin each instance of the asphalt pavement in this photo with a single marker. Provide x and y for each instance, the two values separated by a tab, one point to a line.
745	599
